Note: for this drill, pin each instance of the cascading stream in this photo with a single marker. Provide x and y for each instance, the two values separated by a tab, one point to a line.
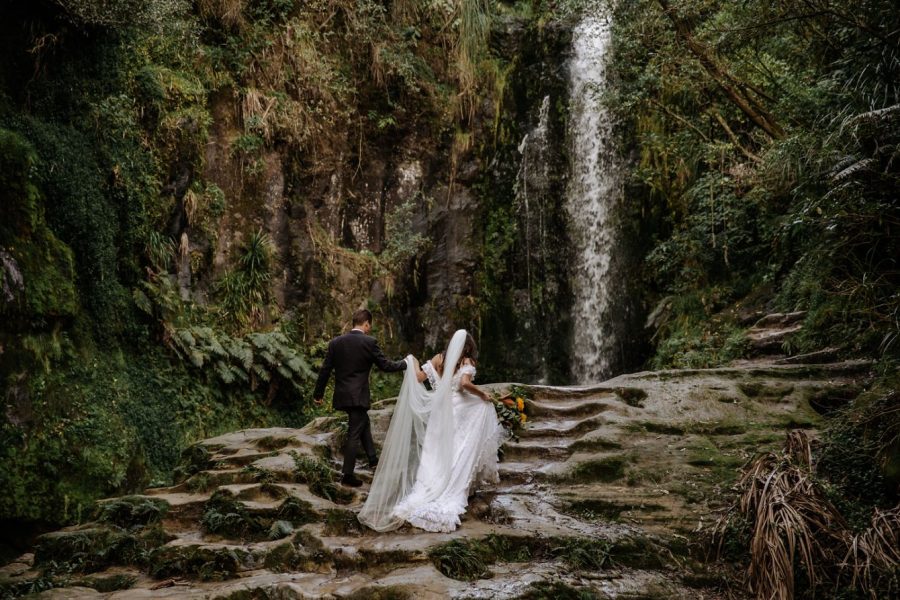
531	185
593	195
532	197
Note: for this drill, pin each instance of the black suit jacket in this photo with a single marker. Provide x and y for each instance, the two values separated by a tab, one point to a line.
351	356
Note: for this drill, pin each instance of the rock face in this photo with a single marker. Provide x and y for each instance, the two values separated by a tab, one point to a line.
599	495
484	201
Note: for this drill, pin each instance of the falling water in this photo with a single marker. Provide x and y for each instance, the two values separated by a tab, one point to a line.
532	199
594	192
531	186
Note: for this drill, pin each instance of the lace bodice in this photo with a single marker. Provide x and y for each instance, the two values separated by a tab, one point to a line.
457	377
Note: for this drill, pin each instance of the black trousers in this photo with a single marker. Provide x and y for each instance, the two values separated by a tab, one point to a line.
358	430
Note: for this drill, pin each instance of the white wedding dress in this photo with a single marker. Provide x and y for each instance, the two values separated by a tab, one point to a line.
440	445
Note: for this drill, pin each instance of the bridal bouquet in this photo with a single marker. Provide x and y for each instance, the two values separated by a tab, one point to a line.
512	410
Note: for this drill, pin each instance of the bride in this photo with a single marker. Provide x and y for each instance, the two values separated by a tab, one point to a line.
439	446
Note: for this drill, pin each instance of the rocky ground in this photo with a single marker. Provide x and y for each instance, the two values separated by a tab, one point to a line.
606	494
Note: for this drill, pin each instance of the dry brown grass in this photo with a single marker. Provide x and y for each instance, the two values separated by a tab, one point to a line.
873	556
794	526
228	12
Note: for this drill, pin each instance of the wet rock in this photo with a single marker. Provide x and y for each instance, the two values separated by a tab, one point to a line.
597	496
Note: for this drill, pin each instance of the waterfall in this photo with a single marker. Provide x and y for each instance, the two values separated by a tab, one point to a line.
533	196
531	187
594	192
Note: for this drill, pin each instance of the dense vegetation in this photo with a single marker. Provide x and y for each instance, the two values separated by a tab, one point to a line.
125	335
767	143
767	137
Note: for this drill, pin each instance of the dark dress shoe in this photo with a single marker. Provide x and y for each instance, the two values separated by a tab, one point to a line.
373	464
350	481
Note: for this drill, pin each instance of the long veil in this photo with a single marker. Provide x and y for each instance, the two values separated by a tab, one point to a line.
418	444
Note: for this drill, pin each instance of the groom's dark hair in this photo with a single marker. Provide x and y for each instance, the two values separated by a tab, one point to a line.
361	316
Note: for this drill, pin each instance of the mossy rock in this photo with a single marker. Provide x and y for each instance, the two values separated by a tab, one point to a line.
93	548
374	562
468	560
339	521
594	445
639	553
631	396
557	590
194	459
391	592
297	511
580	553
463	560
658	428
282	558
132	511
260	475
320	478
108	583
270	442
225	515
200	562
610	468
592	509
765	391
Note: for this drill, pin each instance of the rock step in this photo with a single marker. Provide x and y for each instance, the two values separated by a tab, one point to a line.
537	449
544	409
780	319
561	428
825	355
240	459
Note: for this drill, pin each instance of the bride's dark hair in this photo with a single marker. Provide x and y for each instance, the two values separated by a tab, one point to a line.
470	351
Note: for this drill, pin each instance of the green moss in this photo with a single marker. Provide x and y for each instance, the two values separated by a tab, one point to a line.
91	549
297	511
597	509
459	559
653	427
680	429
581	554
45	263
631	396
107	584
270	442
609	468
281	558
765	391
320	478
260	475
556	590
594	444
390	592
132	511
201	482
638	552
467	560
342	522
194	459
224	515
203	563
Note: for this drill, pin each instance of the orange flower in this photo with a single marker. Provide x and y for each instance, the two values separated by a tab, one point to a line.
520	404
523	418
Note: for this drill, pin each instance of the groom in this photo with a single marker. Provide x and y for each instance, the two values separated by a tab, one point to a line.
351	356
